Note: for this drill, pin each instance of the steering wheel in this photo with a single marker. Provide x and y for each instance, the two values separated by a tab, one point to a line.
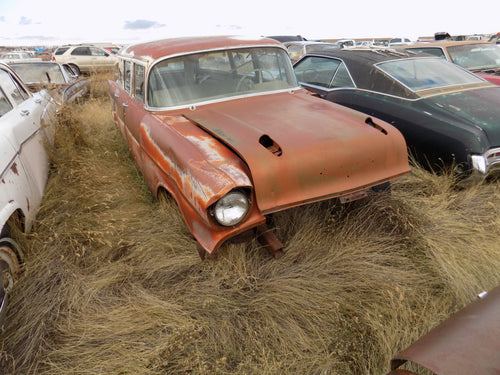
246	83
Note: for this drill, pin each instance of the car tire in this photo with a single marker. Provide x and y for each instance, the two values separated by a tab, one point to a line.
75	68
10	268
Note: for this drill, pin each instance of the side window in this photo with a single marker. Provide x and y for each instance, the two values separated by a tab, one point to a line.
81	51
5	105
127	79
317	71
94	51
12	88
342	78
60	51
139	82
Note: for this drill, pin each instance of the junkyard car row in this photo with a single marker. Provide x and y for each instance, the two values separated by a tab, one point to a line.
231	131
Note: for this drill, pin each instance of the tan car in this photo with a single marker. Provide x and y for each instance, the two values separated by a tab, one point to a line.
85	58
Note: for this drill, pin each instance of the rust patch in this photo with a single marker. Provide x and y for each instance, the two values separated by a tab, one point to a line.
14	168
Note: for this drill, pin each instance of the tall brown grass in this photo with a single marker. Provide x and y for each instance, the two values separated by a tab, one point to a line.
113	283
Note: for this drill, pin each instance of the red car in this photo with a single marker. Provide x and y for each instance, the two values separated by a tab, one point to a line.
221	125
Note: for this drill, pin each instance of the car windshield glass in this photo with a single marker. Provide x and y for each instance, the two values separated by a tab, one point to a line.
39	73
215	75
476	56
427	73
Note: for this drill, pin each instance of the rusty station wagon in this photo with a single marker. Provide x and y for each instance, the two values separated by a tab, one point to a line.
221	125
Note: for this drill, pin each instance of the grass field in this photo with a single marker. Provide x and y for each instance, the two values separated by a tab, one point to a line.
113	283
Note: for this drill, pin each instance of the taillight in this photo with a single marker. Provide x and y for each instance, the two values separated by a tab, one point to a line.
53	58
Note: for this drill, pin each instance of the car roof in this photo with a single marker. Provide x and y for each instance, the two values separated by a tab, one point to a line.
155	50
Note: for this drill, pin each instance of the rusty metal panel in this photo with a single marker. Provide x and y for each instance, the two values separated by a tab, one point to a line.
162	48
466	343
327	150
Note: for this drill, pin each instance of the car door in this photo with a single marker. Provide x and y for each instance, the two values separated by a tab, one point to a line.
101	58
82	57
24	140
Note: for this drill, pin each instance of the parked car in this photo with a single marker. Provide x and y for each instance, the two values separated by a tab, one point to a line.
466	343
448	115
298	49
221	124
44	56
287	38
481	58
27	124
397	42
85	58
11	57
59	79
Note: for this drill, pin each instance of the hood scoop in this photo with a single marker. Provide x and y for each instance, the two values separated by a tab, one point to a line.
270	145
373	124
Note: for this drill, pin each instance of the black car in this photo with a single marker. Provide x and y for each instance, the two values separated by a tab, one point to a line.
448	115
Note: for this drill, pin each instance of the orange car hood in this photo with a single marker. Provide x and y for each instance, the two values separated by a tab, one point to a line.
321	150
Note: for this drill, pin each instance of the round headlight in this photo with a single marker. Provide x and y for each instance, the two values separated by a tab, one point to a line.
231	208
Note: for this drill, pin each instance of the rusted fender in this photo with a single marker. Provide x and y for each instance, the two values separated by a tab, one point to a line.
464	344
197	170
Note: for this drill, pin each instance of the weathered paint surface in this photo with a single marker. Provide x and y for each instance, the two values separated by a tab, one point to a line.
466	343
326	150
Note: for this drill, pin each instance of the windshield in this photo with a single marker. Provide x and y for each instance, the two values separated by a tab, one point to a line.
427	73
39	73
216	75
476	56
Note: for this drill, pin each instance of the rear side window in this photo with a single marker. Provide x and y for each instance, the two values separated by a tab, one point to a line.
60	51
316	71
81	51
139	82
128	76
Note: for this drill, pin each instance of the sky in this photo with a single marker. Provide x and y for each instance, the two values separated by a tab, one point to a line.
56	22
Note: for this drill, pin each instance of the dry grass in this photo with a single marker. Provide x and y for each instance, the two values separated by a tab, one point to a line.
113	283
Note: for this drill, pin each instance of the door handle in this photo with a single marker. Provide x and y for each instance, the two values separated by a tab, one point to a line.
25	112
124	105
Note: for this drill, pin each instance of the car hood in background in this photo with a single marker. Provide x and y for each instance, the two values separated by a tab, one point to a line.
302	149
479	108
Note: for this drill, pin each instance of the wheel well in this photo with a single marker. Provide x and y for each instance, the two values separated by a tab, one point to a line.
10	232
15	221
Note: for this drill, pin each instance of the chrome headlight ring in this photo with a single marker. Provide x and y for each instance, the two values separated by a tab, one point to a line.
231	209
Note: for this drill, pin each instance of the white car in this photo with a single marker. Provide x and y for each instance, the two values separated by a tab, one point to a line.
86	58
11	57
27	125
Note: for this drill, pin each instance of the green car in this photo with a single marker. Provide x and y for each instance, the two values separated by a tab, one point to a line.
448	115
